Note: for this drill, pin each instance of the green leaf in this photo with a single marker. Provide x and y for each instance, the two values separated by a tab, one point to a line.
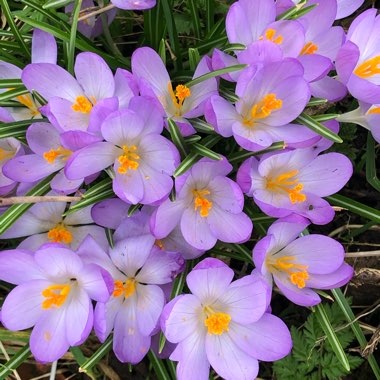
11	83
159	367
349	315
202	126
194	58
316	102
73	35
355	207
15	211
17	128
102	190
52	4
11	94
162	51
102	351
325	117
371	172
233	47
177	137
240	156
331	336
195	19
7	368
132	209
214	74
317	127
210	6
192	139
302	12
205	152
20	336
16	33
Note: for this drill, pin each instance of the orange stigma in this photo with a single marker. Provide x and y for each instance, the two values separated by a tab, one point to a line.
202	202
59	234
129	159
128	288
368	68
27	101
288	184
52	154
309	48
216	323
374	110
270	35
263	109
178	97
82	104
55	296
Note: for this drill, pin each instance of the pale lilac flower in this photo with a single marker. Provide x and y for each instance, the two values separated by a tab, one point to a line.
137	268
298	266
53	293
223	324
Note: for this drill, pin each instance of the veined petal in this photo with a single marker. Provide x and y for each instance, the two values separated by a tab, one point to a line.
44	47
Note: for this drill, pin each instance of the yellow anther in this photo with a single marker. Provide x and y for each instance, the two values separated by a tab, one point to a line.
309	48
52	154
217	323
270	35
286	183
368	68
27	101
202	202
6	154
60	234
55	295
128	288
373	110
82	104
159	244
178	97
129	159
263	109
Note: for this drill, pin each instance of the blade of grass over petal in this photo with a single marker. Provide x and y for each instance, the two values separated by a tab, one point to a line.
159	367
11	83
371	172
99	354
355	207
205	152
132	209
240	156
331	336
347	311
302	12
7	95
291	11
177	138
7	368
214	74
317	127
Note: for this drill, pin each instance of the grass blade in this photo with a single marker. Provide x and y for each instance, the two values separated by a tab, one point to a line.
240	156
11	94
102	351
159	367
195	19
17	359
194	58
370	171
11	83
73	35
52	4
205	152
209	15
177	138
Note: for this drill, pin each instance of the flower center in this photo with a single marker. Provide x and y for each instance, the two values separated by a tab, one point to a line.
368	68
55	295
178	97
59	234
6	154
202	202
309	48
216	323
128	288
159	244
263	109
270	34
287	183
52	154
82	104
27	101
129	159
298	273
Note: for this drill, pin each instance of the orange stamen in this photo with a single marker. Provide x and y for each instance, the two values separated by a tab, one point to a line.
201	201
129	159
263	109
128	288
55	295
368	68
373	110
217	323
59	234
52	154
309	48
270	35
82	104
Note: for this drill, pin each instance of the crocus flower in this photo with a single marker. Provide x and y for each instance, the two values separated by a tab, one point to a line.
44	223
270	98
71	102
298	266
51	151
366	115
358	61
208	207
9	148
44	49
53	293
295	182
347	7
223	324
113	213
180	103
137	268
143	160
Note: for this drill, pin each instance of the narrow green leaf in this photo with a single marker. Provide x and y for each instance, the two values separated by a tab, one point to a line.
159	367
302	12
240	156
7	368
132	209
205	152
194	58
11	83
81	359
102	351
244	251
207	45
15	211
39	98
192	139
202	126
331	336
214	74
73	35
53	4
10	103
233	47
177	138
347	311
355	207
162	51
210	6
195	18
11	94
17	128
229	95
16	33
316	102
371	172
317	127
20	336
325	117
102	190
172	368
291	11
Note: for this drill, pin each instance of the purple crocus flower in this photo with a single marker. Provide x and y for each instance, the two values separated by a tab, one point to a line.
223	324
266	107
53	293
9	148
71	102
295	182
51	152
299	265
113	213
347	7
143	159
208	207
180	103
137	268
358	61
366	115
43	223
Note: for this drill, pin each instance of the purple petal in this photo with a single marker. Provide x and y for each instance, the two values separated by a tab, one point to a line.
61	184
42	137
110	213
328	88
133	4
126	87
44	47
347	7
346	61
332	280
75	140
